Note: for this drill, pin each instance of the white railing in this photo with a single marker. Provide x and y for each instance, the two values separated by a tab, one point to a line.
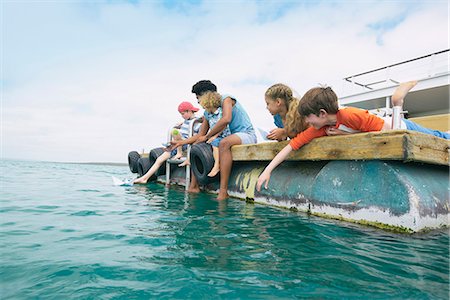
188	154
426	66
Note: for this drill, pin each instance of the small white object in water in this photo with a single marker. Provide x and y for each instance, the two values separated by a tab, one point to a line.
125	182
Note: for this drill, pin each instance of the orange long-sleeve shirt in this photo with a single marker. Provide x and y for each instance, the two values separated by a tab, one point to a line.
354	118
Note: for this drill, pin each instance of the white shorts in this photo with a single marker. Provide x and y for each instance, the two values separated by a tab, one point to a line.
247	137
388	120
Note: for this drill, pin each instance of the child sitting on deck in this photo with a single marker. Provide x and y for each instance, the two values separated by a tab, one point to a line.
241	128
319	107
187	111
211	102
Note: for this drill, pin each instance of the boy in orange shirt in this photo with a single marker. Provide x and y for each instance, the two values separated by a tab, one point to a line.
319	107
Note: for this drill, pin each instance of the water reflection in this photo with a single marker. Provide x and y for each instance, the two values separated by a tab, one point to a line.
254	244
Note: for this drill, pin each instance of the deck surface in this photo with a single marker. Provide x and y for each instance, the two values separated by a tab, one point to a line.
437	122
401	145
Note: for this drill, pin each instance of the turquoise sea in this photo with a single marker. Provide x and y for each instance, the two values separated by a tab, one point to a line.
68	233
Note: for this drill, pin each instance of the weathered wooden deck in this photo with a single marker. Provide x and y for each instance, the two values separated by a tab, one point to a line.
400	145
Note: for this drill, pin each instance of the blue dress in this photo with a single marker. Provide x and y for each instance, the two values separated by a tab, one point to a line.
212	119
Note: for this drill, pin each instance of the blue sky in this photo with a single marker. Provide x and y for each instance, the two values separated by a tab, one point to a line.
90	81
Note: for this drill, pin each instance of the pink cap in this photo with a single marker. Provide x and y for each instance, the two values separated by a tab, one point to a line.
184	106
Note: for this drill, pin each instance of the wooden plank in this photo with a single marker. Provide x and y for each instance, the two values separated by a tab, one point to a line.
388	145
426	148
436	122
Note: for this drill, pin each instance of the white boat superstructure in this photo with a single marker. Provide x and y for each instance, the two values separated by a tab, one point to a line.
427	103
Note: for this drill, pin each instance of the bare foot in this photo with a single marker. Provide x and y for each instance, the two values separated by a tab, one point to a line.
140	180
400	93
194	190
222	195
214	171
177	156
184	163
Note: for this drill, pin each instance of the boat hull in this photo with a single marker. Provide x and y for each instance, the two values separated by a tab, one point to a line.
408	197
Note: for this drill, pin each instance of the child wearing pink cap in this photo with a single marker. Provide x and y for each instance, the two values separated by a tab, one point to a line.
187	111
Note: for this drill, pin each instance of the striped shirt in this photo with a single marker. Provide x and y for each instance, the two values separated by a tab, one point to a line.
184	129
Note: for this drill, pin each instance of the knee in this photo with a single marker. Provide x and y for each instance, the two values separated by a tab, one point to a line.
162	158
225	145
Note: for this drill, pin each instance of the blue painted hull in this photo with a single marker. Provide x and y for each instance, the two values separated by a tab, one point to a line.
409	197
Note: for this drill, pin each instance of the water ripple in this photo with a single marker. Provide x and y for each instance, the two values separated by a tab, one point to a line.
71	233
85	213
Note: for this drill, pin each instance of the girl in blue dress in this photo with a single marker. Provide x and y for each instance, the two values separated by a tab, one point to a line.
211	102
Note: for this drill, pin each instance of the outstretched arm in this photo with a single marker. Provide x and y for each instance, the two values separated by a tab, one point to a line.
278	159
209	141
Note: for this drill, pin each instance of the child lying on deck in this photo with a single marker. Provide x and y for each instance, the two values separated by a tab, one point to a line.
319	107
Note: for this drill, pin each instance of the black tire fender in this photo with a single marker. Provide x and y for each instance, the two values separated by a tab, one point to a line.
143	165
133	158
153	155
202	162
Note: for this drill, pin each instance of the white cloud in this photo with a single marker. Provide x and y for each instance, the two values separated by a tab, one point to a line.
96	81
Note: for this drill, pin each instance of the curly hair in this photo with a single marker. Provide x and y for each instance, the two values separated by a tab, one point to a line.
294	122
203	86
316	99
210	101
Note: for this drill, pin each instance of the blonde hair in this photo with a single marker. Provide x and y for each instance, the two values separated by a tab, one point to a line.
210	100
295	123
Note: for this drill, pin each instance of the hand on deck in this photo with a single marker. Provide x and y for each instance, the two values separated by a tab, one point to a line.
331	131
278	134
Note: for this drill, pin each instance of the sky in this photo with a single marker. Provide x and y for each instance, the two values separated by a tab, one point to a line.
89	81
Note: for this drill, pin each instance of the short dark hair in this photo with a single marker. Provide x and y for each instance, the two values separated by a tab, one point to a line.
203	86
316	99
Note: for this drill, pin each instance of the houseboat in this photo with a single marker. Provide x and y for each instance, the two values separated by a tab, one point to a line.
396	180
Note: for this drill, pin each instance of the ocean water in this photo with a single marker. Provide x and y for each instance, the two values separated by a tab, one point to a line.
68	233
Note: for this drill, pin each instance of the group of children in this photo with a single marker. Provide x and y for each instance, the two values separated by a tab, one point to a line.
316	114
224	124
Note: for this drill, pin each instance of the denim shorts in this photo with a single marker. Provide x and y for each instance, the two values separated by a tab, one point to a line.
215	142
410	125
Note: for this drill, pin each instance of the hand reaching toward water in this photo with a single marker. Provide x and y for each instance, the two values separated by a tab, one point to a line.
263	178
